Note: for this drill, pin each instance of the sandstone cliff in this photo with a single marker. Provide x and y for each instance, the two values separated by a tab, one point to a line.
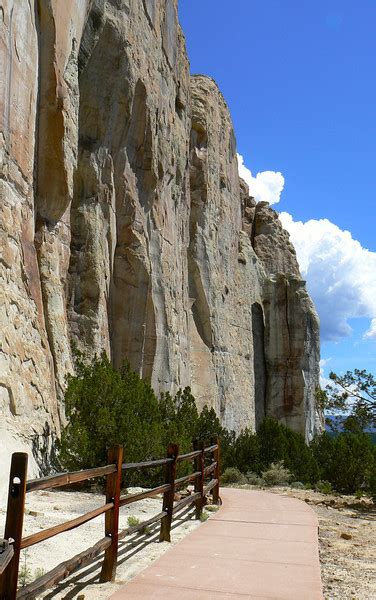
125	228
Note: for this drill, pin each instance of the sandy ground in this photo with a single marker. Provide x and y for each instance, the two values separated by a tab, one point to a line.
45	509
348	566
347	541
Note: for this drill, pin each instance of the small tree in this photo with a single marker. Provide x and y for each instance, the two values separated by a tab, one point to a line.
246	451
105	407
179	417
273	442
345	460
280	443
355	393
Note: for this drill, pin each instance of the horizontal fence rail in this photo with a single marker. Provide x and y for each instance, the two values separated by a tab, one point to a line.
147	465
210	468
63	570
63	479
205	465
210	486
189	456
30	540
185	502
187	478
124	500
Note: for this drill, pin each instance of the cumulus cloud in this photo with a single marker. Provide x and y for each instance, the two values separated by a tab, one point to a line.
371	331
266	186
340	274
324	381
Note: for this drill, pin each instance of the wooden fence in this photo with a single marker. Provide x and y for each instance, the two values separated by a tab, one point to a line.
206	466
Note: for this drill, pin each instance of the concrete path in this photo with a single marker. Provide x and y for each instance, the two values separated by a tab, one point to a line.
258	545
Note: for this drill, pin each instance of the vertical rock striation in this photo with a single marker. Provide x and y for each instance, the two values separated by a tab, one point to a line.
125	227
292	341
225	279
26	367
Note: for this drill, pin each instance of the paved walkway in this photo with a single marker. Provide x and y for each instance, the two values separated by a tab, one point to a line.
258	546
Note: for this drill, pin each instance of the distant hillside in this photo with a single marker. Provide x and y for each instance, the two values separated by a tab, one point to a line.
335	426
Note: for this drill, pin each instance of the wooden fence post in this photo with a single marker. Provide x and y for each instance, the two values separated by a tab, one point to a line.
200	479
168	497
217	458
113	485
14	523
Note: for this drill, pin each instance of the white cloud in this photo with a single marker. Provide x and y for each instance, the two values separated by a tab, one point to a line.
324	381
371	331
266	186
340	274
324	362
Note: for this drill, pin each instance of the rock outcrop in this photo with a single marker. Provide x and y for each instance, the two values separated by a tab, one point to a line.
125	227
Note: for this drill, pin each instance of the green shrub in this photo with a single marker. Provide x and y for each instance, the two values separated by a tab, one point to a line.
208	424
254	479
371	476
39	572
277	442
345	460
133	521
273	442
325	487
204	516
25	576
106	406
276	474
246	451
147	530
300	458
297	485
178	418
233	475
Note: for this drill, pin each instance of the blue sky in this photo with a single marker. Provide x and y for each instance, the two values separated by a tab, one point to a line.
298	77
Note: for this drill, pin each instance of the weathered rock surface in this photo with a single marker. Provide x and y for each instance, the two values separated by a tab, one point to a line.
291	337
125	227
225	277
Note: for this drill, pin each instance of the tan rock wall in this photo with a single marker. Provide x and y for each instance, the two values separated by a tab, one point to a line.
124	226
292	353
26	367
291	334
223	279
128	274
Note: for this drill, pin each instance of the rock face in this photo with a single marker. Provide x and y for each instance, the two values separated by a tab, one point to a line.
291	335
125	227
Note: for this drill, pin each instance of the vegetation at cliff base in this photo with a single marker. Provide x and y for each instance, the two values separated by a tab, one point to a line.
105	406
